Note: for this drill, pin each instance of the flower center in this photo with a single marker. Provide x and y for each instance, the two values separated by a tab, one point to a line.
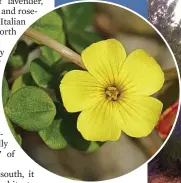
112	93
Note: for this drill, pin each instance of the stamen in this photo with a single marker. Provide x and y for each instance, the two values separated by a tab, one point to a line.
112	93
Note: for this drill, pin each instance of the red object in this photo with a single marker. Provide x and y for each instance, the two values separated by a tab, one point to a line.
166	121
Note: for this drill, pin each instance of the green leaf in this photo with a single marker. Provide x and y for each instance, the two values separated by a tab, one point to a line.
62	68
16	136
49	55
77	15
40	73
71	134
16	61
52	135
80	39
23	80
51	25
79	30
30	108
18	57
5	91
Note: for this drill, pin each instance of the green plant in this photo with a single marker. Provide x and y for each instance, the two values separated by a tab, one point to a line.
31	97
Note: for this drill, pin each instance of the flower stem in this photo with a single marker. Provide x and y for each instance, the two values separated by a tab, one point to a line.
73	56
55	45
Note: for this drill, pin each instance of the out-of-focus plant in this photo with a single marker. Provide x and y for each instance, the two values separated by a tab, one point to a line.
33	102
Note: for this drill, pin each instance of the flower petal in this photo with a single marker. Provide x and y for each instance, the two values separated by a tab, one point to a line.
80	90
98	123
104	60
139	115
141	74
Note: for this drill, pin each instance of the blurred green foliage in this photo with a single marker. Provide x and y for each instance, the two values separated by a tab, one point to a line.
19	55
78	23
34	101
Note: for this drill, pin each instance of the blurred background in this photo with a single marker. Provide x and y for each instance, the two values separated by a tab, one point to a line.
82	25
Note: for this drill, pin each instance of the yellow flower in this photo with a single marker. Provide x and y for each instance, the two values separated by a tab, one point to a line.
114	95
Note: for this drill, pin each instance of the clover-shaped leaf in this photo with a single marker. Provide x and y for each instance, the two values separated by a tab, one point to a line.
52	135
40	73
30	108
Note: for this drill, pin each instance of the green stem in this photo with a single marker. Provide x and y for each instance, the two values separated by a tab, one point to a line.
73	56
55	45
